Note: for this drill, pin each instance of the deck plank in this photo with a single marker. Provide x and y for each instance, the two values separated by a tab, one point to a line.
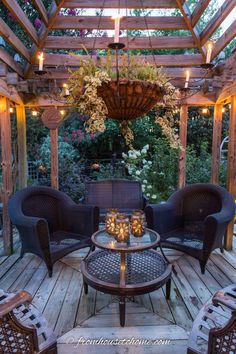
69	307
56	300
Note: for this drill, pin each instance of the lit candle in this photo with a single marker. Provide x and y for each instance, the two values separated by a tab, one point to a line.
122	228
187	79
209	52
41	59
117	27
138	223
111	221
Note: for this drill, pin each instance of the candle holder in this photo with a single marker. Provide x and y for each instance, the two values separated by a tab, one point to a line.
111	221
138	223
122	228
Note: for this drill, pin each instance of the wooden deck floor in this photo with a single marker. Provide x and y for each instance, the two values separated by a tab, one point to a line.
74	315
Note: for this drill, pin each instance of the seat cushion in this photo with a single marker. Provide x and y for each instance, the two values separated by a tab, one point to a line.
66	242
183	237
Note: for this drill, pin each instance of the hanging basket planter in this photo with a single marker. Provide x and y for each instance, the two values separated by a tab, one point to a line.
129	99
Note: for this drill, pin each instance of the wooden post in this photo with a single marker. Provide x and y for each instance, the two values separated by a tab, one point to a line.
54	157
183	140
216	141
22	148
231	167
6	171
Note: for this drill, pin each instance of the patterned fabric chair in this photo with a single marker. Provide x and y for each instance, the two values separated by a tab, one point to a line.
23	329
125	195
50	224
214	329
193	220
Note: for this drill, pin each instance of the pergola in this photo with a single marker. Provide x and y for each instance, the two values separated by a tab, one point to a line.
20	85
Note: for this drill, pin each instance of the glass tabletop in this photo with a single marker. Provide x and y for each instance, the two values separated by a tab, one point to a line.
103	240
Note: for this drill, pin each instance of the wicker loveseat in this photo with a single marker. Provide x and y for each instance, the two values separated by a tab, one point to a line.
193	220
50	224
122	194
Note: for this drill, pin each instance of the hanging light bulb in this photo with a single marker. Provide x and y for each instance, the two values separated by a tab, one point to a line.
223	109
11	110
62	112
34	113
205	111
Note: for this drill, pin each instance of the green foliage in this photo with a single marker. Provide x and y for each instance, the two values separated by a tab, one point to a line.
70	177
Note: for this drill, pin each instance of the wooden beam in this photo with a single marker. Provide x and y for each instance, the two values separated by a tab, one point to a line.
6	58
7	188
174	60
184	9
216	141
231	167
216	20
198	11
129	23
113	4
10	36
183	140
42	11
200	99
21	17
225	39
174	73
9	92
54	158
22	146
53	12
69	42
226	92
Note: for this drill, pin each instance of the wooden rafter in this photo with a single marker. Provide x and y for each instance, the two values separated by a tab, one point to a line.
69	42
53	12
226	38
182	60
10	36
198	11
216	20
187	17
6	58
21	17
129	23
42	11
131	4
63	74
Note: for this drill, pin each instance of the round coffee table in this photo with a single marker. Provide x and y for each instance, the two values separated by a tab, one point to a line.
126	269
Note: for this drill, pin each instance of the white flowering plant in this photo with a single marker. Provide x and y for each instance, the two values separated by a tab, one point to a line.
155	168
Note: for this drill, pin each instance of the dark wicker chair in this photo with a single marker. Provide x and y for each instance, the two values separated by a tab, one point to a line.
23	329
50	224
193	220
214	329
122	194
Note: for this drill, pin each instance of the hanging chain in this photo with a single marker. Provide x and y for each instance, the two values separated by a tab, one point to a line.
99	25
149	37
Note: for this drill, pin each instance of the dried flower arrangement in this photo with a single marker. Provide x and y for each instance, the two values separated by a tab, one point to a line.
96	91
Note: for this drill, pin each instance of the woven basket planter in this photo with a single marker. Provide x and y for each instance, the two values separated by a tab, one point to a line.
129	99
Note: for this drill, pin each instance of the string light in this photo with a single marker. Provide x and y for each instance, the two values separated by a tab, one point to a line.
62	112
223	110
205	110
34	113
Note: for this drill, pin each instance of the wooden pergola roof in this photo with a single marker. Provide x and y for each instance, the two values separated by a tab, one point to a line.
192	45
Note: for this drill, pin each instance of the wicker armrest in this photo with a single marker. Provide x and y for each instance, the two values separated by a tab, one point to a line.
11	302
